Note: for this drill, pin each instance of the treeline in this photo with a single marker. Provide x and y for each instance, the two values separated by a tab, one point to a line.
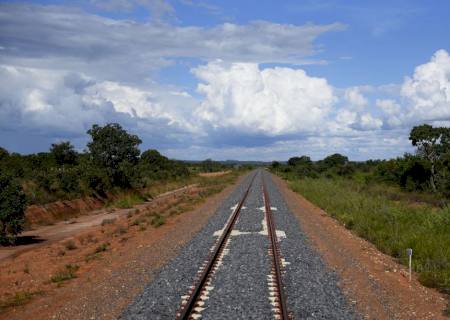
428	170
111	162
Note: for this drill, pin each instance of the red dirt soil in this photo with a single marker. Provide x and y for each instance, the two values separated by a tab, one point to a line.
49	213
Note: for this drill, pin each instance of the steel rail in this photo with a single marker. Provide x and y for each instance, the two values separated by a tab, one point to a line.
185	313
275	254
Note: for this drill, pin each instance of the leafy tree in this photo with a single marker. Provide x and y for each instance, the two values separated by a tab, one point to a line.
209	165
303	160
335	160
3	153
152	157
110	147
64	153
432	143
275	165
12	208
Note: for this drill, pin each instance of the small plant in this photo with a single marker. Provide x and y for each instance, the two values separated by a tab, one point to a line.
66	274
96	254
70	245
26	268
18	299
135	222
158	220
101	248
108	221
447	310
89	238
91	256
123	239
119	231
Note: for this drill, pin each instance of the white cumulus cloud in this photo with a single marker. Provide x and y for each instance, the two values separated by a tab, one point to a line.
427	92
355	98
272	101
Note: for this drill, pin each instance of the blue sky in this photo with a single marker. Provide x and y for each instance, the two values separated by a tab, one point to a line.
225	79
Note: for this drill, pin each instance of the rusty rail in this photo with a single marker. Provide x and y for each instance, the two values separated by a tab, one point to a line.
283	315
192	302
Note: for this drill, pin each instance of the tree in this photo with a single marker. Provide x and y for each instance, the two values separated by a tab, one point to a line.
275	165
3	153
432	144
303	160
335	160
209	165
64	153
111	147
153	157
12	208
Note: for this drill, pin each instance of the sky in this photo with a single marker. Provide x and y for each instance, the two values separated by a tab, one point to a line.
243	80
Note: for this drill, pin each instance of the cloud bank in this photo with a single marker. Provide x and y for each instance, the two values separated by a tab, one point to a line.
63	69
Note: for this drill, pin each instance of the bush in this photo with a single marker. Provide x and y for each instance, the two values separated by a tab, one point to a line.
70	245
66	274
12	209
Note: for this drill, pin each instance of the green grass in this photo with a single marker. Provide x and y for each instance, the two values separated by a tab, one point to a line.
97	252
102	248
128	200
392	225
66	274
158	221
18	299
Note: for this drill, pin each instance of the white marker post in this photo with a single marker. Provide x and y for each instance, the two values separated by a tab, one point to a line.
409	252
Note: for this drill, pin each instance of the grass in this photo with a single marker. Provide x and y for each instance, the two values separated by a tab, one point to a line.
97	252
158	220
102	248
392	225
18	299
65	274
128	200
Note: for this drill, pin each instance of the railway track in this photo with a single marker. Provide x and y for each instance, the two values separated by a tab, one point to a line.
193	303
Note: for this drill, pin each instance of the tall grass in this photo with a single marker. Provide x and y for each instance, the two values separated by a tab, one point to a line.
392	225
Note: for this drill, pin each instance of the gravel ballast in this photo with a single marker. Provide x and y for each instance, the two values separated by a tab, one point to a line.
240	289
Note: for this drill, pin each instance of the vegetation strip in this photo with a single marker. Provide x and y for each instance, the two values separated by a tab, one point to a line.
396	204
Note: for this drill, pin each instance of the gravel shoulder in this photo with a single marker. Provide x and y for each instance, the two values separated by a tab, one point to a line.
373	282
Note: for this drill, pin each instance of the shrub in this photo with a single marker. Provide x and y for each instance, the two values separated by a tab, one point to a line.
70	245
18	299
12	209
101	248
158	220
66	274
